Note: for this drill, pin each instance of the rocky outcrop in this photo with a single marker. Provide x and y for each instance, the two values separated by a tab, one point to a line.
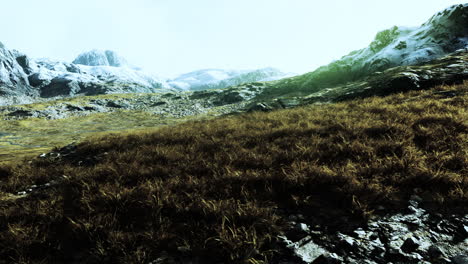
100	58
14	68
450	69
441	35
55	78
21	77
412	236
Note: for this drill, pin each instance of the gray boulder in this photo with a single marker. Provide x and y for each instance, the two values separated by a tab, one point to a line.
60	86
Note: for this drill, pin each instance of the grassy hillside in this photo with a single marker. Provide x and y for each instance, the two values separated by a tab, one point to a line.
32	136
222	189
23	137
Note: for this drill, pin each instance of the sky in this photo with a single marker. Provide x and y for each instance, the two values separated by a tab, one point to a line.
171	37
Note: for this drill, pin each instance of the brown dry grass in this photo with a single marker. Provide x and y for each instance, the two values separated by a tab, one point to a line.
220	189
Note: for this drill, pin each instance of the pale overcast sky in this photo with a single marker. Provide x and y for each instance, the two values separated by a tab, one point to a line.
169	37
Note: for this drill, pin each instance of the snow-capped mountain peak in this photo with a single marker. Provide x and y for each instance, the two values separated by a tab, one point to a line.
100	58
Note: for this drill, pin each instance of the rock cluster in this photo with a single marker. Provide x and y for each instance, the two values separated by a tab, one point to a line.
413	236
169	105
449	69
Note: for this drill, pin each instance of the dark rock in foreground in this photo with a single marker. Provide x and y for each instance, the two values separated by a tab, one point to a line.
414	236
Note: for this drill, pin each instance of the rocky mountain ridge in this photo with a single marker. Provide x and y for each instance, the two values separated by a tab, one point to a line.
442	34
24	80
451	69
219	79
100	58
14	68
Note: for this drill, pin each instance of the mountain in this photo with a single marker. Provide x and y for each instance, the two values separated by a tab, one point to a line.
96	72
218	78
55	78
442	34
102	72
100	58
14	69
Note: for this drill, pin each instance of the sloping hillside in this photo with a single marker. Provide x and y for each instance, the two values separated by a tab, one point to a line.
223	191
442	34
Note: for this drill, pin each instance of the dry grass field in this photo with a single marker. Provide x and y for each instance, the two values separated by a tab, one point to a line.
222	189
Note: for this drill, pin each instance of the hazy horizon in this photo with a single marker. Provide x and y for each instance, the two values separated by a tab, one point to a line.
171	37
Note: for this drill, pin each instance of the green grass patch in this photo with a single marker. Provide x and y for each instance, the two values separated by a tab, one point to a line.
29	137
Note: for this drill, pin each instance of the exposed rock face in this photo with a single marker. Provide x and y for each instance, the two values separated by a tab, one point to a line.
446	70
450	69
13	73
414	236
60	86
55	78
100	58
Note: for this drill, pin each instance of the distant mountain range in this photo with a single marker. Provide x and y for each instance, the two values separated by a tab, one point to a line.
218	79
100	72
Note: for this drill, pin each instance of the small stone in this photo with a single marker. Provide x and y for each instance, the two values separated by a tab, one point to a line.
414	257
328	258
435	252
183	249
302	227
347	241
410	245
413	203
307	250
412	209
373	226
360	233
